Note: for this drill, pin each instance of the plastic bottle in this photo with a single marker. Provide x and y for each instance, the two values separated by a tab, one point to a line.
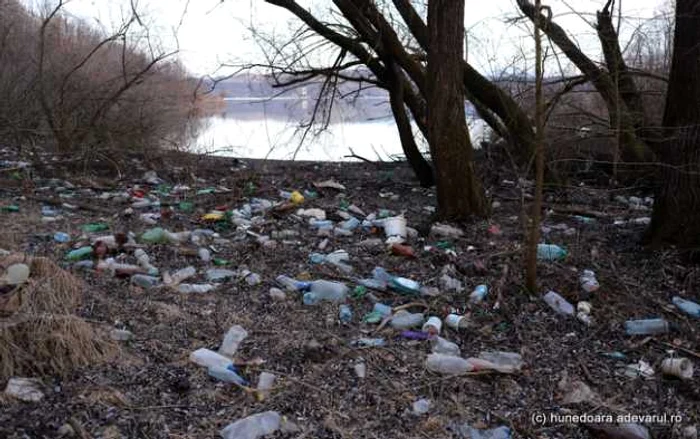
204	254
369	342
589	283
345	313
95	227
558	303
383	310
448	364
219	275
478	294
80	253
406	320
145	281
647	327
687	306
145	262
550	252
492	433
350	224
253	427
180	275
226	374
266	381
61	237
321	290
446	347
336	258
504	360
155	235
233	338
208	358
433	325
195	288
292	285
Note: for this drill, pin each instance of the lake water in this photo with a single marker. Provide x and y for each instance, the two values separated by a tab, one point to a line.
272	129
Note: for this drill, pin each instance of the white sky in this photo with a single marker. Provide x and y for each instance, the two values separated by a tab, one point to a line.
215	31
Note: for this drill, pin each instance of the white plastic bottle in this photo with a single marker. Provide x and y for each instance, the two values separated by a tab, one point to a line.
558	303
253	427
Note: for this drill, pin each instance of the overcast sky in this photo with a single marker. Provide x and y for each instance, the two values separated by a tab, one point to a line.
213	31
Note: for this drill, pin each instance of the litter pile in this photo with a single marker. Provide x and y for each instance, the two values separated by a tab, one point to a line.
267	303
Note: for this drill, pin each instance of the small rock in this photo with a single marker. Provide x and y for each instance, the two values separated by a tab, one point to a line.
24	389
421	407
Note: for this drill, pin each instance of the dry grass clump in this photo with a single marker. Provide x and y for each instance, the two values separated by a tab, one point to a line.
39	332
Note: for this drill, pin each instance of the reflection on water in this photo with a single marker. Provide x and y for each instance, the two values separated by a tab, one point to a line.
272	129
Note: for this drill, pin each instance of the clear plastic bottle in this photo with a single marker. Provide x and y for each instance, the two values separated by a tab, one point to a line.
558	303
384	310
145	281
448	364
207	358
182	274
233	338
226	374
506	360
266	381
406	320
479	293
145	262
204	254
195	288
323	290
253	427
647	327
445	347
687	306
550	252
292	285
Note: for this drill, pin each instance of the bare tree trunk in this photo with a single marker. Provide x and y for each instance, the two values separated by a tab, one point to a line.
534	224
415	159
676	216
459	192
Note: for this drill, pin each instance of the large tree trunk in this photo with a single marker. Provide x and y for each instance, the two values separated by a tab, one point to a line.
415	159
459	192
676	216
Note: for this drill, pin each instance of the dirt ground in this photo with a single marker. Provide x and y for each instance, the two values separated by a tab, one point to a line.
151	389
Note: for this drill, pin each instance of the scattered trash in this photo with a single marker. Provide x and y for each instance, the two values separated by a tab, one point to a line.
687	306
344	313
207	358
456	321
466	431
15	274
121	335
446	347
360	369
679	367
432	326
332	184
421	407
24	389
448	364
406	320
266	381
277	295
323	290
478	294
558	303
445	231
395	229
233	338
195	288
647	327
550	252
61	237
589	283
369	342
228	374
641	369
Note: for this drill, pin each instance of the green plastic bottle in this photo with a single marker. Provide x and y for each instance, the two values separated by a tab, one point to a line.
95	227
79	254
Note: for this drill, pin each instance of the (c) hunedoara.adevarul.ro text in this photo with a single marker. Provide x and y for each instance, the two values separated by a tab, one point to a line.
542	418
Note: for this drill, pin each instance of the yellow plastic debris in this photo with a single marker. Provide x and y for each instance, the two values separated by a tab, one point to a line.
296	198
213	216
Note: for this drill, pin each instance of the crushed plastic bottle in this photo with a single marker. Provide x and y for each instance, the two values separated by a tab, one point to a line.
558	303
180	275
254	426
687	306
550	252
647	327
445	347
266	381
588	281
510	361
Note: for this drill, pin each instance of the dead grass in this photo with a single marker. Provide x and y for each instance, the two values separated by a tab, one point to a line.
40	334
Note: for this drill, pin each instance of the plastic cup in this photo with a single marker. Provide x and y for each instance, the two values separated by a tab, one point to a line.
433	325
455	321
678	367
395	226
